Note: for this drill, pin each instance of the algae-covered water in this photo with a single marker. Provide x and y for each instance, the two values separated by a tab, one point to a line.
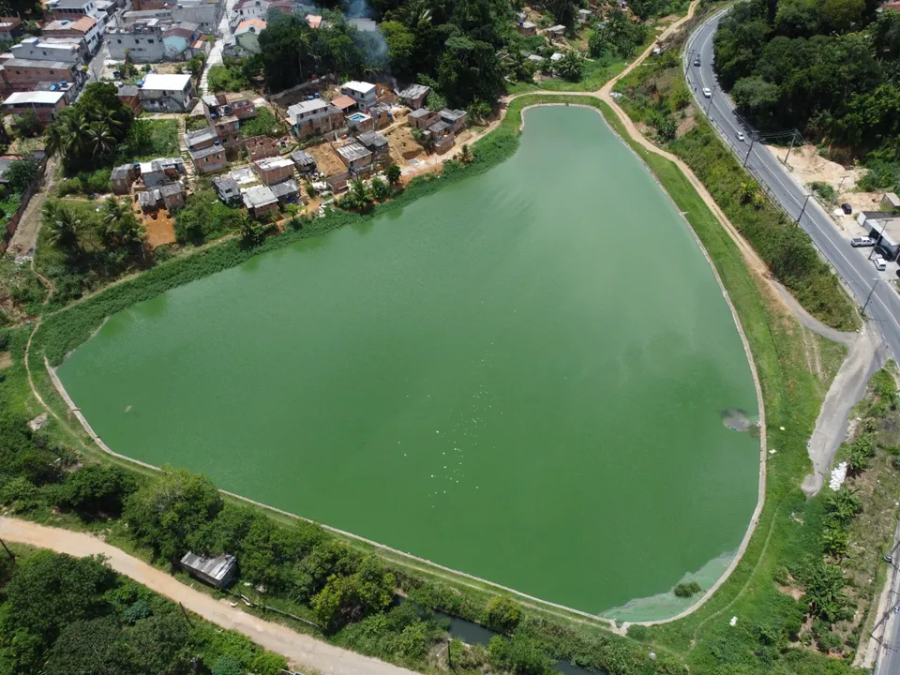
521	377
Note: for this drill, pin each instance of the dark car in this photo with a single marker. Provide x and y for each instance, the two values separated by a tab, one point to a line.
846	208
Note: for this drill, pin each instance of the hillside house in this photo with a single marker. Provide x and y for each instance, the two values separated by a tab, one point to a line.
355	156
250	9
247	34
260	147
141	41
122	178
166	93
584	15
130	96
375	143
29	75
305	162
455	119
169	196
200	139
287	192
260	201
273	170
414	96
557	31
51	49
359	122
183	41
44	104
364	93
381	114
314	118
218	572
227	188
344	103
217	105
441	136
422	118
209	160
161	171
527	28
86	29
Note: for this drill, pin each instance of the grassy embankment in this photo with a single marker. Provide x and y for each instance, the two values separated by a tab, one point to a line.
655	95
790	391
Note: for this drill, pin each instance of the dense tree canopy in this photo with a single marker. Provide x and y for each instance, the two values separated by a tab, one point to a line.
829	68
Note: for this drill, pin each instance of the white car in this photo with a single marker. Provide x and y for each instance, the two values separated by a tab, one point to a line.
707	92
740	136
880	263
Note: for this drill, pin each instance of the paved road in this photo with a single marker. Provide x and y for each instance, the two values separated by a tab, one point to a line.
855	270
301	650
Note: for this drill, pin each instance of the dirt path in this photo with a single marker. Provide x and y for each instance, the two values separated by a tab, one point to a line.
26	234
301	650
867	354
809	321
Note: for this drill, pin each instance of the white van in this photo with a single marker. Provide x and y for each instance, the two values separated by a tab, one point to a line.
879	263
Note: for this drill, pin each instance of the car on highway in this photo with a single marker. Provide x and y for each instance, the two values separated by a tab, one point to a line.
846	208
697	61
740	136
880	263
707	92
858	242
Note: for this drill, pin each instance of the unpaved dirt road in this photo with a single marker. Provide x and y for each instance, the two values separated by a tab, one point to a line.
301	650
867	354
26	234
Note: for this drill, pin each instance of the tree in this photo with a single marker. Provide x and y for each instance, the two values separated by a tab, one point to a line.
96	489
380	189
251	232
352	598
166	510
825	592
393	174
28	124
563	11
227	665
843	505
755	96
465	155
748	191
65	228
121	228
503	613
49	591
21	173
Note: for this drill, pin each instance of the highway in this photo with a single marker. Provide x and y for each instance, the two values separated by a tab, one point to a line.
857	273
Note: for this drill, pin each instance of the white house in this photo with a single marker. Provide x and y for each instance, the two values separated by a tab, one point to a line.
166	93
363	93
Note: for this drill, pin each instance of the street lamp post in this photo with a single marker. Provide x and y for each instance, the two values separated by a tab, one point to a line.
803	210
877	279
749	150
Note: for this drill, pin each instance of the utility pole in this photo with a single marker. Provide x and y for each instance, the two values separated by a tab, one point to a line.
803	210
186	617
841	184
789	151
878	241
8	552
877	279
749	150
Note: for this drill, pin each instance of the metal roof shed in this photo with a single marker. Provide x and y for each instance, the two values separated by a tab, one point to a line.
219	571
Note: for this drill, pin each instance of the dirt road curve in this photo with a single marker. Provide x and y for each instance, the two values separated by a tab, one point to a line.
301	650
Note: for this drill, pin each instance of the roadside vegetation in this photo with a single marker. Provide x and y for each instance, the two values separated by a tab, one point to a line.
829	69
656	97
63	615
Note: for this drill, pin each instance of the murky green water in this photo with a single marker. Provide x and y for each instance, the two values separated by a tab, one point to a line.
520	377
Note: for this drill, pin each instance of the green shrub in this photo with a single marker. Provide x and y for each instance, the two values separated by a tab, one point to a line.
687	590
824	190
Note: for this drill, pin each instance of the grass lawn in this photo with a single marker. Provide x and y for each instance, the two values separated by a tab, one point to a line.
163	141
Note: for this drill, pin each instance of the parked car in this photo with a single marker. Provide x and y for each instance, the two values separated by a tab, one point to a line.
858	242
846	208
880	263
740	136
697	61
707	92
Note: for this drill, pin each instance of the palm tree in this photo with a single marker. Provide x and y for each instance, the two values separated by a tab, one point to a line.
100	139
570	66
64	228
120	228
748	191
393	174
360	193
465	155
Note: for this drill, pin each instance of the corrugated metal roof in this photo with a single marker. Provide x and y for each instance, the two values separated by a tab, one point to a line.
215	568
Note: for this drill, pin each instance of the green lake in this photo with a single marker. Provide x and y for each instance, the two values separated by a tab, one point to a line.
521	377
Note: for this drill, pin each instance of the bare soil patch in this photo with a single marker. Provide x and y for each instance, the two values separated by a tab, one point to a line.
5	360
327	160
160	227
